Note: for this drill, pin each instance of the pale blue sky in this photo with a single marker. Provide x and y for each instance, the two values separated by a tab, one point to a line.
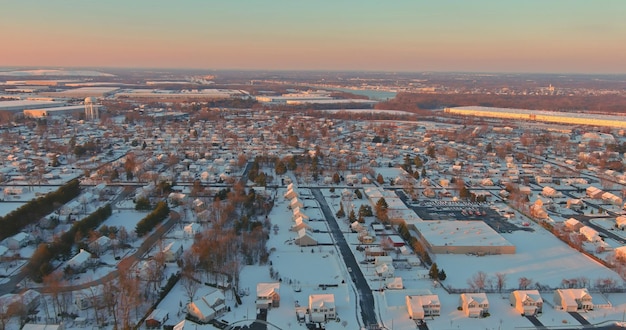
399	35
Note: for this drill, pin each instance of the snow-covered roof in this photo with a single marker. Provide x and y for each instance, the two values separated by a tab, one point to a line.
266	289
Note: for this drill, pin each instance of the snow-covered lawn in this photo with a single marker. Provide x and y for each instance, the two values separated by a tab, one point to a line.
539	256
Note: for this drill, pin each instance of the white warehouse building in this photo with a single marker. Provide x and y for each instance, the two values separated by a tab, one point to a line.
541	116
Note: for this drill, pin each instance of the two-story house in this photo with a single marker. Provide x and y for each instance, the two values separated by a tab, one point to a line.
322	307
571	300
267	295
208	307
420	306
474	304
526	302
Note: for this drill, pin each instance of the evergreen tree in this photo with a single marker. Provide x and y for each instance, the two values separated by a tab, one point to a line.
341	213
352	216
434	272
430	151
381	210
417	161
442	275
280	167
358	194
336	178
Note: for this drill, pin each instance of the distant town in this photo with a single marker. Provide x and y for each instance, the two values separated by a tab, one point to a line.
181	199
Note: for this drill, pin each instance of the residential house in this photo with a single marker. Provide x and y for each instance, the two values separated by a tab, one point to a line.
594	192
474	304
571	300
290	194
208	307
394	241
590	234
267	295
297	213
305	238
17	241
100	245
620	222
80	262
420	306
526	302
394	283
191	229
365	237
173	251
548	191
295	202
157	318
300	224
612	199
573	224
373	251
385	270
176	198
381	260
322	307
575	204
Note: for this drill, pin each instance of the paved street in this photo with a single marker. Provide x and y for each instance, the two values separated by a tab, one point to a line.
366	299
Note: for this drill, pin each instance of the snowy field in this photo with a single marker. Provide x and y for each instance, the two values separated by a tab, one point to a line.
539	256
125	218
11	202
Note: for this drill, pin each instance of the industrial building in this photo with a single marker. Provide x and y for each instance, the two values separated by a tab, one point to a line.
18	106
83	92
461	237
570	118
54	112
161	94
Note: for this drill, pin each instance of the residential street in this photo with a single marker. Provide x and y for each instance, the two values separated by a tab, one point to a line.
366	299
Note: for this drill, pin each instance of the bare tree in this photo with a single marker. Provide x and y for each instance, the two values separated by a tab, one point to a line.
189	282
500	281
478	281
53	284
96	299
524	283
129	298
110	299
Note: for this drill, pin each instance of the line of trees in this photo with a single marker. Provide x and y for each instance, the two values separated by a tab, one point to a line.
34	210
420	250
40	262
415	102
160	212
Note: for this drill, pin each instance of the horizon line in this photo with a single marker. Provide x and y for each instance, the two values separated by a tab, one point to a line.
61	67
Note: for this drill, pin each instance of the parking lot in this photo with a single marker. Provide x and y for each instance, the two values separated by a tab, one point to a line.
464	211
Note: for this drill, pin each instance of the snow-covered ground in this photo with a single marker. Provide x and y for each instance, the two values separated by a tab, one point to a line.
300	271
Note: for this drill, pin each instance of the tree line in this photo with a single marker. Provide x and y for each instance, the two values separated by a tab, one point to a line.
34	210
160	212
415	102
40	265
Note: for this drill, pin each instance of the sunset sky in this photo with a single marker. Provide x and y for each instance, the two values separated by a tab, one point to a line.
569	36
